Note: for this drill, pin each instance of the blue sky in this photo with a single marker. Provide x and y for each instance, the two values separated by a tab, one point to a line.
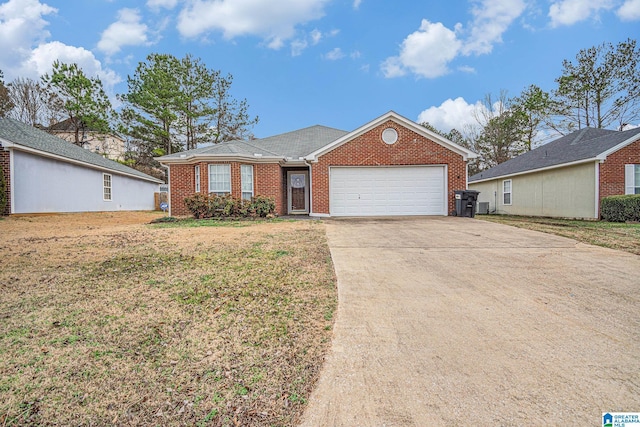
339	63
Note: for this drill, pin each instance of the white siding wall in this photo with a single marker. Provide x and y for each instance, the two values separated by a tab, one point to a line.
563	192
42	185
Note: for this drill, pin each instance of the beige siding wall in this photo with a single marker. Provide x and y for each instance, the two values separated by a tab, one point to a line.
563	192
487	191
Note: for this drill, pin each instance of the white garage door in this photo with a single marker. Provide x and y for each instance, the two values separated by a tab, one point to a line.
369	191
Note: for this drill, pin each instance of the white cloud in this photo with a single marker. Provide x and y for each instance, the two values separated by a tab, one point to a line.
316	36
426	52
126	31
298	46
491	19
26	53
274	21
629	11
334	54
356	3
568	12
161	4
429	51
452	113
356	54
467	69
21	27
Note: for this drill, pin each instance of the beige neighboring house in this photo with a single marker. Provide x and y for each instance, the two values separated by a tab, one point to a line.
567	177
110	146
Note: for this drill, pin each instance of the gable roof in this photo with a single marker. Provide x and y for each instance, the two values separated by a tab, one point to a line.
585	145
290	145
20	136
301	145
392	115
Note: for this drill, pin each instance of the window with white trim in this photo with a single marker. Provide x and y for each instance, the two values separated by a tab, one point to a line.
196	173
631	179
506	192
220	179
246	176
106	187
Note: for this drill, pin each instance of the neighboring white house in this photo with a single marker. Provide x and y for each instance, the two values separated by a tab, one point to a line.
567	177
110	146
47	174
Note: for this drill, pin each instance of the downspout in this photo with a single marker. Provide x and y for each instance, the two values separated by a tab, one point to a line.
597	192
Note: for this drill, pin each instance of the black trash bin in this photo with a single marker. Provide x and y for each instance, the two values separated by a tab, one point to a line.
466	202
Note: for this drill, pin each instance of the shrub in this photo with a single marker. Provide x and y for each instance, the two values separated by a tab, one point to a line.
620	208
227	206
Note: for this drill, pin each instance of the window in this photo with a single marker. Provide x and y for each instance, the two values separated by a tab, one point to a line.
506	192
197	178
631	179
106	187
246	173
220	179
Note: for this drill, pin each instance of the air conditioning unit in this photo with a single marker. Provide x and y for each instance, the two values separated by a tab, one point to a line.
483	208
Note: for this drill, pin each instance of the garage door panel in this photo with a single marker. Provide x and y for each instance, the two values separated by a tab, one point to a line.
366	191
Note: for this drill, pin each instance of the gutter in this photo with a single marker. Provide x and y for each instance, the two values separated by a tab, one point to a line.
562	165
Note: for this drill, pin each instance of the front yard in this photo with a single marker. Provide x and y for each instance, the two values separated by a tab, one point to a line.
621	236
107	320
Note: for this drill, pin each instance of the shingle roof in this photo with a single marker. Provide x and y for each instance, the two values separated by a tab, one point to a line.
584	144
292	145
27	136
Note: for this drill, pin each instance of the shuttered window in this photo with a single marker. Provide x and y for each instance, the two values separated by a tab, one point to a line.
246	172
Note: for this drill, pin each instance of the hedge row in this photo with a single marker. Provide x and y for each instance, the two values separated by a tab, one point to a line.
621	208
214	206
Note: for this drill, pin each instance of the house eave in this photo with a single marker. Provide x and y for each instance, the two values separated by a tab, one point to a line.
8	144
561	165
191	159
603	156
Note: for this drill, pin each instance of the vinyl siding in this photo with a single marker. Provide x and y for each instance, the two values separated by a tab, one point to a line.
563	192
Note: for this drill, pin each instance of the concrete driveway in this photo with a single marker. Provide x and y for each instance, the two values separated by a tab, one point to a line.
457	321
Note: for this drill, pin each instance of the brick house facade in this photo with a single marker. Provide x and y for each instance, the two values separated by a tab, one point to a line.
310	154
612	170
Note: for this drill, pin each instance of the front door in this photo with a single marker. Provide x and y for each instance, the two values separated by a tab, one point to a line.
298	192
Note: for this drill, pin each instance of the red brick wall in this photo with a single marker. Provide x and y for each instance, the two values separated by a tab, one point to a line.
4	162
267	181
368	149
612	170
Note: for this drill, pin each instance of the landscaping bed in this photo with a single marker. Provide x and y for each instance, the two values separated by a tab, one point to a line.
106	319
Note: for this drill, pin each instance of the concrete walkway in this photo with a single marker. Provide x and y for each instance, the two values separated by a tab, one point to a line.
457	321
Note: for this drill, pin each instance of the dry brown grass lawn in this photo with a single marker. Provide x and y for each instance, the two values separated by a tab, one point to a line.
621	236
106	320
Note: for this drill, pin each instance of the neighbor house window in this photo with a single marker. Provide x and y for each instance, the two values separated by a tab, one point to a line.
106	187
506	192
246	172
631	179
220	179
197	178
